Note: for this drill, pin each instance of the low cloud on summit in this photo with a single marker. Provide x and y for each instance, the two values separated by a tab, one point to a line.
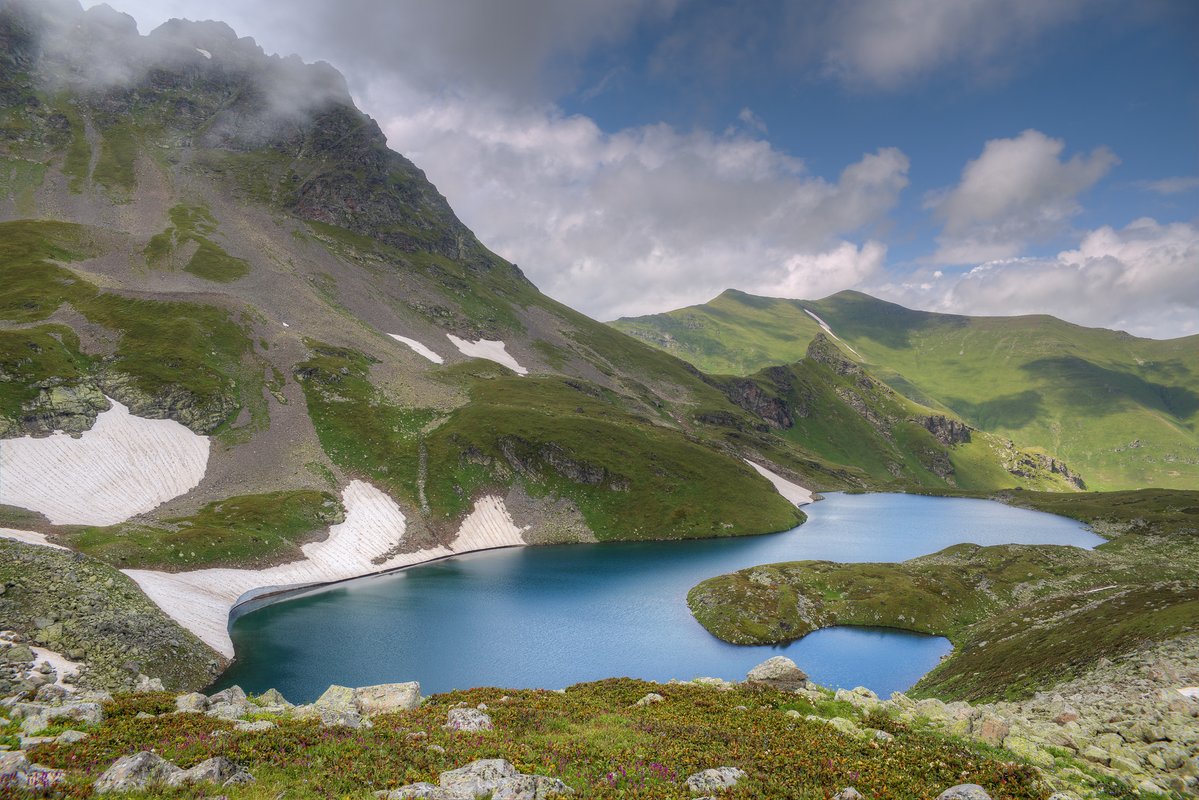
643	216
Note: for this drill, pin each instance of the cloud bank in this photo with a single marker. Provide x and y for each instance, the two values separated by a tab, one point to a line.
1143	278
649	218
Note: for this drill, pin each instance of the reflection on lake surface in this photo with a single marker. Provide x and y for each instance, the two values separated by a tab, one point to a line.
552	616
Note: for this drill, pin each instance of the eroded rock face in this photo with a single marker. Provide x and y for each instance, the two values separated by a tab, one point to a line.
945	430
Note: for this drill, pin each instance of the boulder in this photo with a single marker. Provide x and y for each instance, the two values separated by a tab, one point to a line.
43	716
70	737
234	694
273	697
193	703
848	793
990	729
12	764
493	777
478	777
1028	751
219	770
386	698
779	672
337	707
964	791
467	719
649	699
146	684
714	780
136	772
256	726
421	790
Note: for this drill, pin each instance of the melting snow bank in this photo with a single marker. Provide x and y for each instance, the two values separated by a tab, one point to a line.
492	351
791	491
61	665
29	537
829	331
419	348
201	600
123	466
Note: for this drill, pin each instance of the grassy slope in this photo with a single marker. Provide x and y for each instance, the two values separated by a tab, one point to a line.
629	477
1021	617
592	737
194	355
843	414
248	531
1083	394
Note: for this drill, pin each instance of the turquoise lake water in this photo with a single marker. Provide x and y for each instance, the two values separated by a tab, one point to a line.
552	616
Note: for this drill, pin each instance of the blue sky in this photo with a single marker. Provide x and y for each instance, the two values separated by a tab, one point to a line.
977	156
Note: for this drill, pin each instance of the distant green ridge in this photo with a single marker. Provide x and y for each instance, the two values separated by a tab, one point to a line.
1119	409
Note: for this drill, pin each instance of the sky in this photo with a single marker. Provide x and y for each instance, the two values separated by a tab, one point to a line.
635	156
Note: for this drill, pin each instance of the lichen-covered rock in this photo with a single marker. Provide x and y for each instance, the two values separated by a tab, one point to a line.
193	702
848	793
386	698
964	791
779	672
41	717
714	780
220	771
650	699
467	719
136	772
336	707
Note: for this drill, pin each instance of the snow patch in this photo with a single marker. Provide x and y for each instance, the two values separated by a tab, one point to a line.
491	350
123	466
374	525
419	348
204	53
792	492
29	537
61	665
829	331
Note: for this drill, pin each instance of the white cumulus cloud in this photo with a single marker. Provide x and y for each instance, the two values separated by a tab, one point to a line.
1143	278
1018	191
649	218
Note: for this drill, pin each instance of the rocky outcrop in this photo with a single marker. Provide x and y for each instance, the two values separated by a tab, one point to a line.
750	395
1032	465
822	350
58	406
535	458
467	719
945	430
91	613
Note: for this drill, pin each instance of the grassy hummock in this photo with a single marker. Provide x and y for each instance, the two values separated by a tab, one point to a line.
247	532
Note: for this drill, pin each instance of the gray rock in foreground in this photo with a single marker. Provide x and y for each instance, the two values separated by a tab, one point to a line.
467	719
714	780
779	672
146	770
492	777
964	791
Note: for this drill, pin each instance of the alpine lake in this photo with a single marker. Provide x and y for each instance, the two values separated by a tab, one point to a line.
552	616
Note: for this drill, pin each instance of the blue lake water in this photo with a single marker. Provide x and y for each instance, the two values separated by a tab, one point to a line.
552	616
